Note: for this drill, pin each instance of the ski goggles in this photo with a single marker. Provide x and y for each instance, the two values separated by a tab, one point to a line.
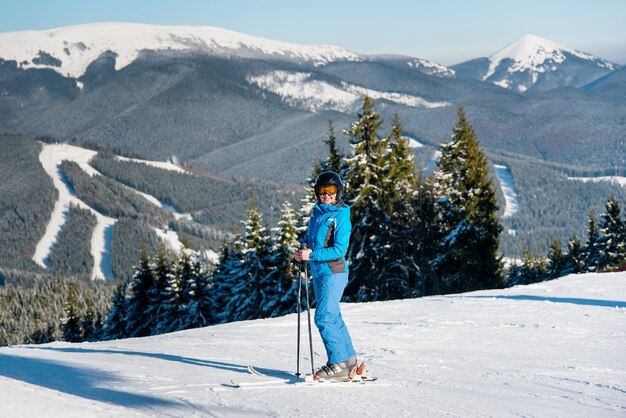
328	189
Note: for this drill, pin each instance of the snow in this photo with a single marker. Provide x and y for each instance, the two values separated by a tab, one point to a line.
299	89
431	68
549	349
51	157
73	48
432	163
616	180
413	143
170	239
511	202
530	52
533	56
164	165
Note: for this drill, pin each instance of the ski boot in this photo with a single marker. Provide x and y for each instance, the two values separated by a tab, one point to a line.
343	371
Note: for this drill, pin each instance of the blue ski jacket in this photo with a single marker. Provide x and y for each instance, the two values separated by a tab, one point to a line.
328	235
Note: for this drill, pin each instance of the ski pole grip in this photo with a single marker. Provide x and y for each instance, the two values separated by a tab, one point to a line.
303	247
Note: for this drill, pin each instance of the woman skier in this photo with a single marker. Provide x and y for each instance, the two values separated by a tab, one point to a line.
326	243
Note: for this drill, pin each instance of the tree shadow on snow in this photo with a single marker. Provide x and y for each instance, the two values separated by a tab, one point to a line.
575	301
232	367
78	381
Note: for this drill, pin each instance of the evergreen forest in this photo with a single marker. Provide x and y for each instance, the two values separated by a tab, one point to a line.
412	235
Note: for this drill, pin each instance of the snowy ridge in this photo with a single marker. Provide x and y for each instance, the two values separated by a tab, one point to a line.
617	180
300	90
431	68
534	62
531	52
51	157
553	349
69	50
164	165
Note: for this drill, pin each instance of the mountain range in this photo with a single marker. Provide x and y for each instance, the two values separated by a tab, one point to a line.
231	104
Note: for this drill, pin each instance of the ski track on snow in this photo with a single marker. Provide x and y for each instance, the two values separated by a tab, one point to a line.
51	157
511	202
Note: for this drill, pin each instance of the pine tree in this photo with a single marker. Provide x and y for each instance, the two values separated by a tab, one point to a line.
88	323
575	262
282	262
392	266
468	258
420	240
557	260
363	170
363	188
138	323
71	323
196	305
533	269
334	162
163	295
116	321
593	247
251	295
613	230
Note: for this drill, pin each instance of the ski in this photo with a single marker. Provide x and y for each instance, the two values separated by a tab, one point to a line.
260	383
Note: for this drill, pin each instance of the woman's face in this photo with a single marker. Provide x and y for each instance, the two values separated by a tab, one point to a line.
328	199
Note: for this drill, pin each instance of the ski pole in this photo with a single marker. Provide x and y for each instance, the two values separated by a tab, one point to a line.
299	305
308	312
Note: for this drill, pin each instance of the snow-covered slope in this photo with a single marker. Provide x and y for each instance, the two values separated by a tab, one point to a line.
51	157
552	349
70	50
532	62
301	90
511	202
618	180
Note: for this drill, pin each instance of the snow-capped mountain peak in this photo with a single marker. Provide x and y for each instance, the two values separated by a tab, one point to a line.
70	50
532	62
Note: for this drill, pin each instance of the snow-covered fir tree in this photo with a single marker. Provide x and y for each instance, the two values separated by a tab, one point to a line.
557	260
613	230
469	251
251	294
163	295
575	256
420	240
532	270
196	306
364	187
592	252
138	324
89	329
282	262
70	325
115	324
391	265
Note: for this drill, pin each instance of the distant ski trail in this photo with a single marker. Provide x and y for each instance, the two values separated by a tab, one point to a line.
51	157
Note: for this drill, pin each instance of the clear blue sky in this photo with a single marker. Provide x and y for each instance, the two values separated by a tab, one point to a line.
444	31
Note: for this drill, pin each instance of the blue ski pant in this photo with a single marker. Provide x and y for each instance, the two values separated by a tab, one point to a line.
328	291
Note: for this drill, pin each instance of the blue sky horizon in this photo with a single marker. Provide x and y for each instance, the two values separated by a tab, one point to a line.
446	31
